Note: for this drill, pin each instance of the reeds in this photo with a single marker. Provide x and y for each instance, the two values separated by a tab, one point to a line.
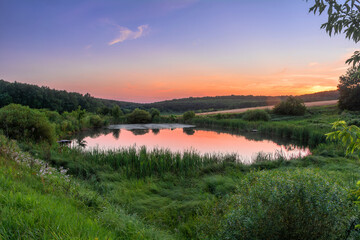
141	162
304	134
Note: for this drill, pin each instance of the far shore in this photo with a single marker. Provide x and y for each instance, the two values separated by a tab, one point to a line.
240	110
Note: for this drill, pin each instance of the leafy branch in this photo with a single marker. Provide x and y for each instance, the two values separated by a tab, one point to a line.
348	135
342	18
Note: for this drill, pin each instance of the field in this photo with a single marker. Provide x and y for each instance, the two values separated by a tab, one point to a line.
241	110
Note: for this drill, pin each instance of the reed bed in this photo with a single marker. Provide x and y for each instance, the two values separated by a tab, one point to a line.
142	162
305	134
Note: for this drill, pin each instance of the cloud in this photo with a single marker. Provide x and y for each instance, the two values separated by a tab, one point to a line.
127	34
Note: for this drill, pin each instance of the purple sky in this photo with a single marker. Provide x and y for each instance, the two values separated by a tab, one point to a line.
155	49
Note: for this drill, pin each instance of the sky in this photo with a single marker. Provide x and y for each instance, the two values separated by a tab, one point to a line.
153	50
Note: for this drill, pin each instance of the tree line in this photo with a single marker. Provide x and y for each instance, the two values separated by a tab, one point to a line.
61	100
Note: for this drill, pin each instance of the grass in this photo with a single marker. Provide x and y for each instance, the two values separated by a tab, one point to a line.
130	194
36	206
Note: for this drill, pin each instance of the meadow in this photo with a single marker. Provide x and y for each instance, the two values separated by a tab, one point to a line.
54	192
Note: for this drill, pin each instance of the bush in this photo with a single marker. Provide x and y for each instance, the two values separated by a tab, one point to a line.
291	106
188	115
139	116
155	114
116	113
256	115
96	121
24	123
287	205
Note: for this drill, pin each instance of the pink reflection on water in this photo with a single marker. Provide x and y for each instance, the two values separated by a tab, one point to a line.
177	140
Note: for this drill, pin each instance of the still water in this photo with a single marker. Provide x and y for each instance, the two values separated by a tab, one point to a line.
179	138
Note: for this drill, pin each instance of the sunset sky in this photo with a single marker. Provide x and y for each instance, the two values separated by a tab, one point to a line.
151	50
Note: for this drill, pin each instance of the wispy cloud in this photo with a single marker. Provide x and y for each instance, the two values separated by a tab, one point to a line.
127	34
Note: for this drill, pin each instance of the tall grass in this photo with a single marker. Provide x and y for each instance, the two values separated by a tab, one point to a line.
142	163
35	205
303	133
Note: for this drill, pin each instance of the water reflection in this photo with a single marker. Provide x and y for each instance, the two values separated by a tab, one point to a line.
247	145
189	131
116	133
155	131
139	131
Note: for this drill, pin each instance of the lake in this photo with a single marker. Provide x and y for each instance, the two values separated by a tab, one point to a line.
179	138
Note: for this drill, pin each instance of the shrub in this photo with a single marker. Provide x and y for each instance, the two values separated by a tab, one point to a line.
155	114
256	115
96	121
116	113
188	115
24	123
291	106
287	205
139	116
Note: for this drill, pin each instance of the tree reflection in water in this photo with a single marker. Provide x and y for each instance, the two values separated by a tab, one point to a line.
155	131
116	133
139	131
189	131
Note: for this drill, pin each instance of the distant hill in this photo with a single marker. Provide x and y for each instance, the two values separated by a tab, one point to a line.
58	100
232	102
61	100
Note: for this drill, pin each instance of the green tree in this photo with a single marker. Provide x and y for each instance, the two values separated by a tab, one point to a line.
291	106
344	18
155	114
188	115
5	99
96	121
24	123
79	114
349	90
139	116
116	112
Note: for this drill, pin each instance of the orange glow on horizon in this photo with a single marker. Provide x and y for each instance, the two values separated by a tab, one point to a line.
155	85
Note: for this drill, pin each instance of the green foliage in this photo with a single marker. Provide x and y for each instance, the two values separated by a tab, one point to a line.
187	116
96	121
116	112
23	123
349	136
256	115
291	106
349	90
142	163
139	116
342	17
155	115
302	132
44	97
297	204
40	202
